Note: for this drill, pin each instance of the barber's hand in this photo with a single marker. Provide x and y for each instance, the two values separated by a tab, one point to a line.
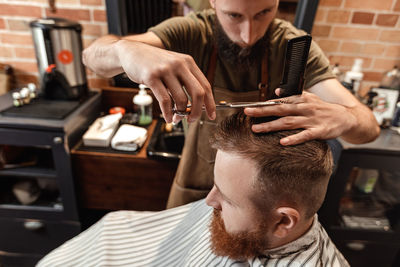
319	119
166	72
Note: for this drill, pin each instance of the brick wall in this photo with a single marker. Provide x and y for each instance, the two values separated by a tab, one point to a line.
345	30
16	47
367	29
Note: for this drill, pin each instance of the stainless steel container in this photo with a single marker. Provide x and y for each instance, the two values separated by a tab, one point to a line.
58	44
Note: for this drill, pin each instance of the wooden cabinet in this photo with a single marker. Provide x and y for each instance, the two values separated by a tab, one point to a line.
112	180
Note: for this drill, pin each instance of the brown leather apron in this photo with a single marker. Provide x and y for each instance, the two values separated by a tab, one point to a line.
194	177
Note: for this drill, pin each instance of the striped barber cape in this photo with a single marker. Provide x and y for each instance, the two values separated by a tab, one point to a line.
178	237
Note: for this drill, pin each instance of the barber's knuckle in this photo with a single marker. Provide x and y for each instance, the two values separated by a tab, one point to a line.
188	59
164	100
308	135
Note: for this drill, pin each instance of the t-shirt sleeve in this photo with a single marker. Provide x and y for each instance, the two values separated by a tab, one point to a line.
318	68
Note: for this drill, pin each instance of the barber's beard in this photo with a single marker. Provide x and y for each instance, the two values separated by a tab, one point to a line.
237	246
242	57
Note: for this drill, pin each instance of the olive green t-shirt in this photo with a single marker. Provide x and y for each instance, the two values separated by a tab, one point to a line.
193	35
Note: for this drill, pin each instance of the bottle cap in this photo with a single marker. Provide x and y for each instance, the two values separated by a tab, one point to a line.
115	110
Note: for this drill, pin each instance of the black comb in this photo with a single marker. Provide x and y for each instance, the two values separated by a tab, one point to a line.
295	64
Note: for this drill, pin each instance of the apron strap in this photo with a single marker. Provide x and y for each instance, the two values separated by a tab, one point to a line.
262	86
212	64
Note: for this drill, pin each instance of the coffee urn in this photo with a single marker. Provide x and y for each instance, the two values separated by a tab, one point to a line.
58	47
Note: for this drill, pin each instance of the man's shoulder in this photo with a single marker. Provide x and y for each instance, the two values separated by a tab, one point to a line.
282	29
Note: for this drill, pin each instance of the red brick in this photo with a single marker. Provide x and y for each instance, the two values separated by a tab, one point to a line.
321	30
389	20
351	47
338	16
25	66
373	49
375	76
91	29
349	61
2	24
397	6
328	45
10	38
18	25
6	51
73	2
99	15
385	64
321	15
20	10
86	40
390	36
362	18
73	14
393	51
23	78
92	2
330	2
354	33
22	52
369	4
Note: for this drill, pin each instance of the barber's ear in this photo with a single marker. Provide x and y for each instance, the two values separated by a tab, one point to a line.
287	220
212	3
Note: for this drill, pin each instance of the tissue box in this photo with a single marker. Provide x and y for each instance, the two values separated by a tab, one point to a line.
101	131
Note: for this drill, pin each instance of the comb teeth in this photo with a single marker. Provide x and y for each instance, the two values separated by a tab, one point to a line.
295	63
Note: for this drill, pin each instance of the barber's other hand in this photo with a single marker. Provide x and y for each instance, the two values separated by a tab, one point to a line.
319	119
165	72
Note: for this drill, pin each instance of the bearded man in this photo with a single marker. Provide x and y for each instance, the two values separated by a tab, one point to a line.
261	211
232	52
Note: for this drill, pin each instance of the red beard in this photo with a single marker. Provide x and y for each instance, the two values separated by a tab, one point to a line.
240	246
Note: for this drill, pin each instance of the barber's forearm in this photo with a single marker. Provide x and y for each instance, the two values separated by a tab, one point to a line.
364	127
102	58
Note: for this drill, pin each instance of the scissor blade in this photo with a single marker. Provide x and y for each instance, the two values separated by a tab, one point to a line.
248	104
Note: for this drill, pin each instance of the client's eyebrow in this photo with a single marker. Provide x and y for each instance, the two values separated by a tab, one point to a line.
224	196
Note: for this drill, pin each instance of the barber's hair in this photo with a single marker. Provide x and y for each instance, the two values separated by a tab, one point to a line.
296	175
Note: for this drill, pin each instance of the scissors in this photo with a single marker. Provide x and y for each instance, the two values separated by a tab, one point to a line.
225	105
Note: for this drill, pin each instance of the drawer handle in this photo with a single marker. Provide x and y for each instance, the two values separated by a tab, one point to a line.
33	225
356	246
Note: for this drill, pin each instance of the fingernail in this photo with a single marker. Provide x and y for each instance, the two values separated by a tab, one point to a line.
213	115
284	141
256	128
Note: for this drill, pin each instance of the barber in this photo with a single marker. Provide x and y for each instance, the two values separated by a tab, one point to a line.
233	52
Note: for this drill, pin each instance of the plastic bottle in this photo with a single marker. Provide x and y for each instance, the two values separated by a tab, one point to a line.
355	76
143	106
391	79
336	71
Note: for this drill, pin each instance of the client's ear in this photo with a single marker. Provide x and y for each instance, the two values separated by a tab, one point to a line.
287	220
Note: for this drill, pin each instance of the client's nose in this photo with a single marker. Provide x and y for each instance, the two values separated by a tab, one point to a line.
212	199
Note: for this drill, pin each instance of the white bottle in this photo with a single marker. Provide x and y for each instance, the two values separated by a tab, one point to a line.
355	76
143	106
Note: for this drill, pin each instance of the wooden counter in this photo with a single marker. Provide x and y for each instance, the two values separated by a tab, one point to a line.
115	181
